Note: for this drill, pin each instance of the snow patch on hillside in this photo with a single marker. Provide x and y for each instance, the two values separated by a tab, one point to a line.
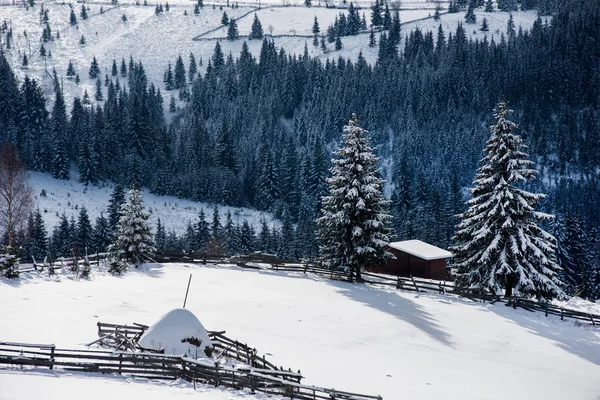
68	196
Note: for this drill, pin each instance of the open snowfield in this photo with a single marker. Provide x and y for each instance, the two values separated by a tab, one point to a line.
156	40
351	337
69	196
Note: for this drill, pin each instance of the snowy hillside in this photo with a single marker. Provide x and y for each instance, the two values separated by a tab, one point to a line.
352	337
68	196
156	40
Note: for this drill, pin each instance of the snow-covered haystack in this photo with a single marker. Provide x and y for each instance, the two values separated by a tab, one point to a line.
178	332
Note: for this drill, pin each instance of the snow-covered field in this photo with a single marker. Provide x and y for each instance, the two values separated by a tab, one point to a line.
69	196
351	337
156	40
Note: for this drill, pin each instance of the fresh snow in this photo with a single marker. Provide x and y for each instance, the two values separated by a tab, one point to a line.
68	196
421	249
345	336
171	329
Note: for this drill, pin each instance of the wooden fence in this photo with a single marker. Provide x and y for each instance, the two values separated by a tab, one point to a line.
403	283
121	337
166	367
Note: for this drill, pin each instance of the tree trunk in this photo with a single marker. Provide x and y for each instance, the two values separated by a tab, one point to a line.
510	284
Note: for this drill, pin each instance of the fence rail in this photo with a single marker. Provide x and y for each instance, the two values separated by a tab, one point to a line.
403	283
167	367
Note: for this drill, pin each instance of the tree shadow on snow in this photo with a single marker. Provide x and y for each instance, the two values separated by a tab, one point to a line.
398	306
580	340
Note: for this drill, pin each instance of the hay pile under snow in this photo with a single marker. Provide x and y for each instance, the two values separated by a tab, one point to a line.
177	332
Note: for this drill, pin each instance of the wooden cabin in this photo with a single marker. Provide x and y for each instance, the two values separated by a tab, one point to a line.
416	258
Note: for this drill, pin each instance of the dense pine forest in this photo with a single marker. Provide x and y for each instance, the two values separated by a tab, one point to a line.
259	131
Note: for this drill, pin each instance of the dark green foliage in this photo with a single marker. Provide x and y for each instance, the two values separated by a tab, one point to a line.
73	18
470	17
224	19
257	30
94	69
83	14
315	28
180	79
484	25
232	30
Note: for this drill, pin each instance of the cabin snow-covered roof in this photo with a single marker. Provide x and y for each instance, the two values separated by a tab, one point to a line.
421	249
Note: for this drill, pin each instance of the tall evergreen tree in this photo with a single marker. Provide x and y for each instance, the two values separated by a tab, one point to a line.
84	232
193	69
180	81
101	235
134	238
58	124
117	199
257	29
499	243
73	18
232	30
353	228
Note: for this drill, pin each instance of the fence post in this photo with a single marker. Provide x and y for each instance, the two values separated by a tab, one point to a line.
399	284
52	356
120	362
414	283
561	314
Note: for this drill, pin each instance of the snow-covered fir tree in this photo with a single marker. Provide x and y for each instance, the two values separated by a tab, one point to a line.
134	239
499	242
353	227
9	263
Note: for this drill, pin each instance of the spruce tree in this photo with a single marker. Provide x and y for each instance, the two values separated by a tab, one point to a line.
99	95
470	17
58	125
70	70
484	25
94	69
376	19
315	28
39	237
224	19
133	239
489	6
73	18
510	27
257	30
117	199
160	239
83	14
436	15
353	228
338	43
123	68
101	236
84	232
232	31
499	243
193	69
372	41
180	80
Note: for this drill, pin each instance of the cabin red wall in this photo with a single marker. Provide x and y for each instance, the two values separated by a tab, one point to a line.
406	264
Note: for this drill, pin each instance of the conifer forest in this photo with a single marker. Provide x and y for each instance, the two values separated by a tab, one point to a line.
259	131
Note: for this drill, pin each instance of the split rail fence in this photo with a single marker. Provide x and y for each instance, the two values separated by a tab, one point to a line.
252	261
167	367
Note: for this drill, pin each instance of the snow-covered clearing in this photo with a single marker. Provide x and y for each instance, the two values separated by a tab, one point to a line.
351	337
156	40
69	196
